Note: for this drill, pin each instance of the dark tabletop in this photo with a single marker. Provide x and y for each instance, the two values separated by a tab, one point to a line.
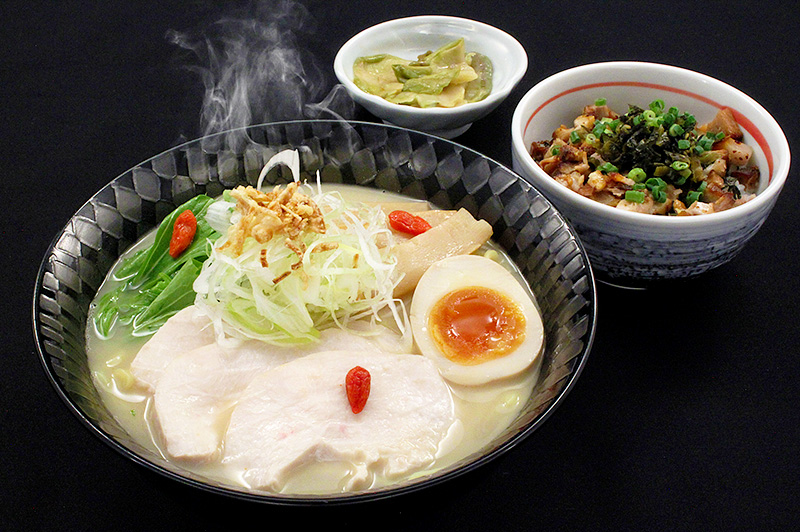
686	415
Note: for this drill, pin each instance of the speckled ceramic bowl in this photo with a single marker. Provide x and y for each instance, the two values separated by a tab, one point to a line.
633	249
525	224
412	36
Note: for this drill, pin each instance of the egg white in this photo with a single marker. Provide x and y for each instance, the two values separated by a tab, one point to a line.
463	271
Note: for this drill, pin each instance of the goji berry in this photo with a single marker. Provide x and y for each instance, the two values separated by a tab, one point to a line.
406	222
357	384
182	233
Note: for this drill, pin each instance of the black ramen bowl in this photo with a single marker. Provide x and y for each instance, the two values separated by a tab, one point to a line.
526	225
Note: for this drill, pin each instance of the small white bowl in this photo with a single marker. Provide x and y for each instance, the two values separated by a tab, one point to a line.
629	248
412	36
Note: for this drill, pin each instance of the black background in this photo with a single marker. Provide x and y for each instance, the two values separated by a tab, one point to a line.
686	415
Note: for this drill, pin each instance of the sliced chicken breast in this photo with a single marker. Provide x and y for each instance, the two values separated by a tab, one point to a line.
299	413
186	330
197	389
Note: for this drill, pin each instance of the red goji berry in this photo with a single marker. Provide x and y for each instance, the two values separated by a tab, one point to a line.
182	233
357	384
406	222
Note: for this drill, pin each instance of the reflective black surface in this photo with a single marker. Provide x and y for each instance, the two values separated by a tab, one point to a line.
685	416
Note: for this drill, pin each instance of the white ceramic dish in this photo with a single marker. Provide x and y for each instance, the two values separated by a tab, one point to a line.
412	36
630	248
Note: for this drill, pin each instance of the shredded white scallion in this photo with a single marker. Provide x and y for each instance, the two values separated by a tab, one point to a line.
269	293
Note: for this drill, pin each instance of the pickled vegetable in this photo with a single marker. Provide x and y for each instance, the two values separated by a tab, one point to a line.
447	77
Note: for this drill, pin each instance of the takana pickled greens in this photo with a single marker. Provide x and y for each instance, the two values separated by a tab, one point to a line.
447	77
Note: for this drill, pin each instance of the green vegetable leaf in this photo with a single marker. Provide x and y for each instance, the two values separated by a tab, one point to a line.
157	258
176	295
156	284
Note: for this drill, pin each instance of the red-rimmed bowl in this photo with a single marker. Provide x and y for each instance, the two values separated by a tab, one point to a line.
635	249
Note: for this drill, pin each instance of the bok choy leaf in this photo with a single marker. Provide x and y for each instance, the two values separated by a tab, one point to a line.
155	285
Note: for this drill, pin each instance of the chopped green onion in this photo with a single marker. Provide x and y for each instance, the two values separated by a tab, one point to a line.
600	101
635	196
637	174
574	137
555	150
684	144
607	168
693	196
707	141
650	118
657	106
679	165
657	187
676	130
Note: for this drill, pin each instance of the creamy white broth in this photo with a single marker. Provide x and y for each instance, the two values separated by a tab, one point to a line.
482	412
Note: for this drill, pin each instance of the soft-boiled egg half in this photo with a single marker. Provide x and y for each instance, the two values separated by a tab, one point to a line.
475	320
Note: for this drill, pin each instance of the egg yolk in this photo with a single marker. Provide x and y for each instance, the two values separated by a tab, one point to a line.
475	324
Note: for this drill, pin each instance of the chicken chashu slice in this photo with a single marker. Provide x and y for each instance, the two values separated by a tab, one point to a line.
183	332
458	234
298	414
194	396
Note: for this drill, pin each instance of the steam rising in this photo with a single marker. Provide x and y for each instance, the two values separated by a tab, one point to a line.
254	70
